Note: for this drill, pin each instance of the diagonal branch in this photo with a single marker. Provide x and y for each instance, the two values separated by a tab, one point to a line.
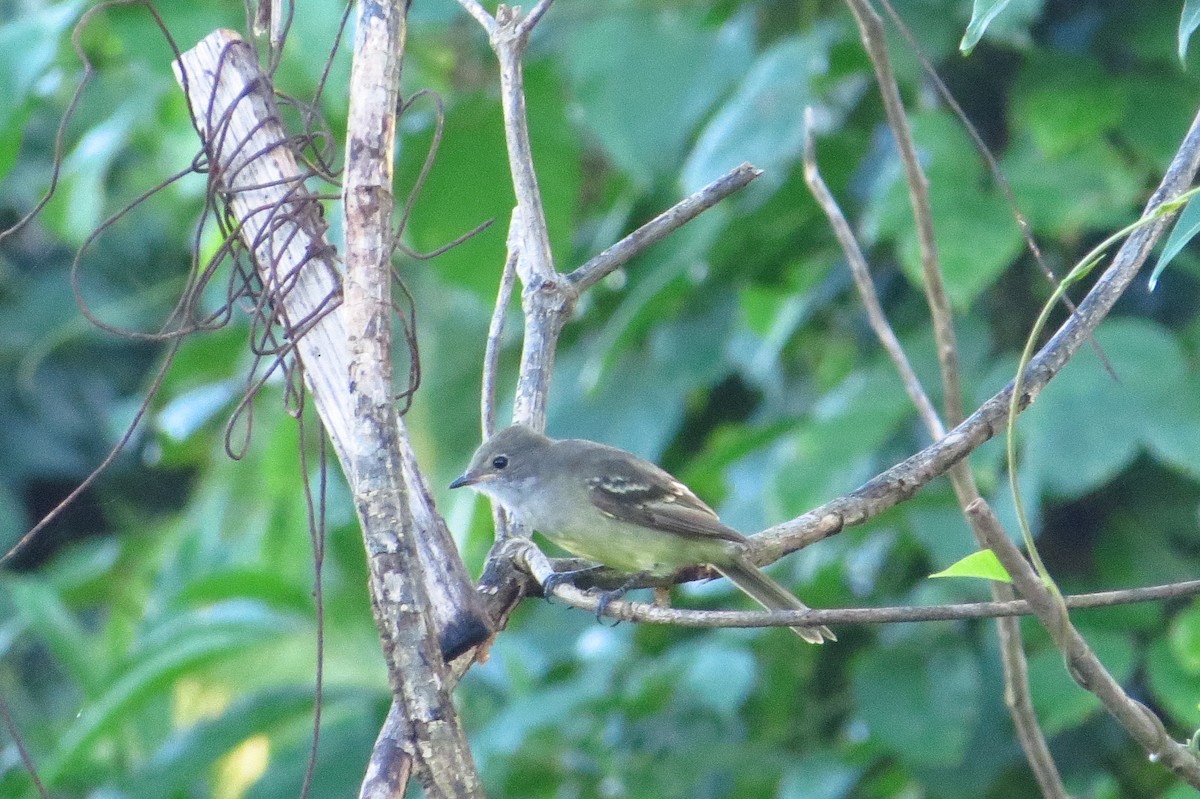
1082	664
905	478
658	228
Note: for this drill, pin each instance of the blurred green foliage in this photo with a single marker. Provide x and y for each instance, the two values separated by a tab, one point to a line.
159	641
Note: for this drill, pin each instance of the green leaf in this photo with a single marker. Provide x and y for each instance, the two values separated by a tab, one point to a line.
1173	686
264	584
189	754
1085	427
982	13
1184	230
1185	640
1066	101
470	181
982	564
28	45
50	620
191	643
838	448
1188	21
671	68
975	235
763	122
1088	185
919	702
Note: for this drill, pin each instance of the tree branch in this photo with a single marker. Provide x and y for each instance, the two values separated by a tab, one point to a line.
532	560
281	223
870	28
415	665
1082	664
866	288
661	226
907	477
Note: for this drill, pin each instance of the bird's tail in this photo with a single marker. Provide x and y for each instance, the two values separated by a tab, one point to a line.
771	595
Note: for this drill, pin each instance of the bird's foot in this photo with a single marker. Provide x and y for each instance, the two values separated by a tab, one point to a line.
568	576
608	597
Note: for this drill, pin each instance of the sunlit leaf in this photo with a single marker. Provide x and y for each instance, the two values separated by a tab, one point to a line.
982	564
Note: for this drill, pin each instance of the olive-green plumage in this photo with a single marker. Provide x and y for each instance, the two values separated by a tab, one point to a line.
611	506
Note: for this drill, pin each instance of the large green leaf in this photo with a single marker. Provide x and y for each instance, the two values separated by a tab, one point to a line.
671	68
186	645
47	618
763	121
28	45
1064	101
919	704
1085	427
973	228
470	182
189	754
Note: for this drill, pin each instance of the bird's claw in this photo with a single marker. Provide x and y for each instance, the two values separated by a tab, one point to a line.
567	576
605	599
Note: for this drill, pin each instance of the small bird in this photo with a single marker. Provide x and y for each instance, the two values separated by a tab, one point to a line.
608	505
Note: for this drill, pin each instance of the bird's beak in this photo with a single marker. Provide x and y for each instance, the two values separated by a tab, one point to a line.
465	479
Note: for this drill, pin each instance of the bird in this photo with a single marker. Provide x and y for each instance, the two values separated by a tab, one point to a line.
608	505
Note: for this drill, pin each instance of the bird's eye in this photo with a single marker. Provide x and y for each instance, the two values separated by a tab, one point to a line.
499	462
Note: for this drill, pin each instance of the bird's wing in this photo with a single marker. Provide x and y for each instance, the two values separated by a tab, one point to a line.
639	492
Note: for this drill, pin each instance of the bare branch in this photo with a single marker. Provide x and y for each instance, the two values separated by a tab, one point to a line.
661	226
540	567
282	225
866	287
535	14
399	599
1020	708
491	353
508	40
390	766
870	28
1012	654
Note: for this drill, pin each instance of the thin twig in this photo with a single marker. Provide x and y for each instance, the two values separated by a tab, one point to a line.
534	15
1082	664
541	567
508	40
990	161
662	225
491	353
866	288
22	752
870	28
1019	702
